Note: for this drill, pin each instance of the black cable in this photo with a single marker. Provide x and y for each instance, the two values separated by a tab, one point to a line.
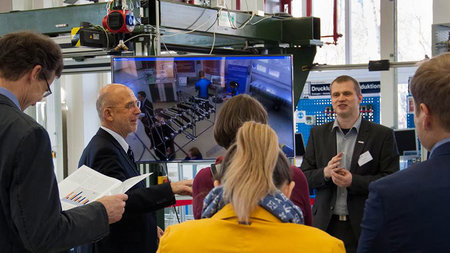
168	180
176	213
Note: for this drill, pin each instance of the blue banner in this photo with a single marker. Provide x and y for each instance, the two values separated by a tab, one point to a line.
323	89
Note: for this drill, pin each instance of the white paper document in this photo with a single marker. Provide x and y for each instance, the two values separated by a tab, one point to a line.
86	185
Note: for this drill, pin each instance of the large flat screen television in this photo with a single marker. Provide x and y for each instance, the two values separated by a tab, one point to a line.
184	93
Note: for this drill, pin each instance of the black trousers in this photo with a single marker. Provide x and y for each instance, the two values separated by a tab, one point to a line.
343	231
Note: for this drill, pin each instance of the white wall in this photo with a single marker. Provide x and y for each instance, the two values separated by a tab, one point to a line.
441	11
82	119
6	5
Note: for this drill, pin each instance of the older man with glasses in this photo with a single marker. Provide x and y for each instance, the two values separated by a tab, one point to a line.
110	154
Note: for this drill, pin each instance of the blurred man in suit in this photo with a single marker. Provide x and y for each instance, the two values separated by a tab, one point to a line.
31	219
147	115
146	105
410	210
341	159
110	154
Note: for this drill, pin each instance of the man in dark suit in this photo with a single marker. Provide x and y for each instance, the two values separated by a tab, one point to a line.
31	219
342	157
146	106
109	153
410	210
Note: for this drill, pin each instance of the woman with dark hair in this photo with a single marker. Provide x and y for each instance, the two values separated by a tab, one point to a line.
239	217
233	114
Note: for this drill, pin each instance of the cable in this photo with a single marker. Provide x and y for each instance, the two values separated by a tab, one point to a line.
243	25
167	50
246	4
260	20
201	15
168	180
176	213
108	6
214	42
195	29
154	46
135	36
214	33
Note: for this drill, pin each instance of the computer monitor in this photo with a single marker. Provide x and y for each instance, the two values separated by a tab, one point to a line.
184	93
299	145
406	141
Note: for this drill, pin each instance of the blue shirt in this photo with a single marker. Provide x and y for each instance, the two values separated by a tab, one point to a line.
439	143
11	96
202	86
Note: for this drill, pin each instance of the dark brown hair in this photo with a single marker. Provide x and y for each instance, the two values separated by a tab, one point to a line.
20	52
283	172
345	78
430	85
233	114
195	151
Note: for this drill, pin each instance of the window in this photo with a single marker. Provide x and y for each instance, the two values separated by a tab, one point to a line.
364	31
414	29
330	53
404	75
297	8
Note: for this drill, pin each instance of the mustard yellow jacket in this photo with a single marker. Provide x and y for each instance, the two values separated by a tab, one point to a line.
266	233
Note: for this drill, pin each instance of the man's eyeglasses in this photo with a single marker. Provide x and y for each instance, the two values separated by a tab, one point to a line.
48	91
130	105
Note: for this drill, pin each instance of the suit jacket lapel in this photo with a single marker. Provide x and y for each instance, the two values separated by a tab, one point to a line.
361	141
117	145
332	140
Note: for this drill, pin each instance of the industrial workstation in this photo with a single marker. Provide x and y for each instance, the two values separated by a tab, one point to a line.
224	126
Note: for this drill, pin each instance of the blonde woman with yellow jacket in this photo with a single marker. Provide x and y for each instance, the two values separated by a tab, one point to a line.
248	213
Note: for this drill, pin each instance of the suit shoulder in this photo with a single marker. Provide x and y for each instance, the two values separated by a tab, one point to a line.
21	124
98	141
400	180
99	144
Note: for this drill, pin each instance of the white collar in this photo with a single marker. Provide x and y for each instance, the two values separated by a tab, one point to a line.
118	138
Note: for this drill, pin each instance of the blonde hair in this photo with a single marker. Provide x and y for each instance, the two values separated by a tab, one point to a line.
248	178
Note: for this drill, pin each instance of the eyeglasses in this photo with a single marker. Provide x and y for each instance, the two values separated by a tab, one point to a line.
136	103
48	91
130	105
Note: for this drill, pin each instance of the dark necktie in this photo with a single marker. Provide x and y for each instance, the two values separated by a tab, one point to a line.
131	156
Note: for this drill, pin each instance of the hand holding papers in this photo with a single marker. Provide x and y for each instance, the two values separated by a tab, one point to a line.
86	185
